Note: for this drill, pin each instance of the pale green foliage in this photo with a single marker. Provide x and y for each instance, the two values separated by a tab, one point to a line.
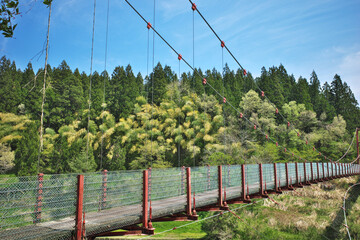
6	158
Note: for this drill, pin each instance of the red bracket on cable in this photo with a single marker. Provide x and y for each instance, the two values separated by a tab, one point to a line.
306	142
241	115
285	150
222	44
193	6
224	100
148	25
277	144
313	148
288	124
298	134
267	137
245	73
254	126
276	111
262	94
179	57
204	81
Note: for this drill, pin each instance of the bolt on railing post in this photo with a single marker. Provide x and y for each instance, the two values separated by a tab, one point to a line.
39	198
188	193
79	207
145	206
104	189
220	199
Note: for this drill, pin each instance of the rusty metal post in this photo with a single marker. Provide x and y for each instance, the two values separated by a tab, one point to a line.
261	179
243	182
39	198
328	170
188	193
220	199
312	172
145	203
318	171
323	171
305	177
104	189
79	207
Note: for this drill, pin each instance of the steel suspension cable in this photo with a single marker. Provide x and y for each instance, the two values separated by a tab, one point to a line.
232	55
44	92
344	209
90	80
104	87
352	141
216	91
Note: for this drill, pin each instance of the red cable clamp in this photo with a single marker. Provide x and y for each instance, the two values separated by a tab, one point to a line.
179	57
313	148
306	142
267	137
193	6
276	110
254	126
262	94
224	100
148	25
277	144
245	73
241	115
346	226
222	44
284	149
174	228
298	134
204	81
288	124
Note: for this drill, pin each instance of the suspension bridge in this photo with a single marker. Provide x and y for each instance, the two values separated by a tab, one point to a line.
78	206
70	206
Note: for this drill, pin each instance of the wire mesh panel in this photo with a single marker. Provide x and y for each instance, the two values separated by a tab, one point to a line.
231	175
37	207
315	171
167	185
252	178
281	174
113	201
268	176
292	173
204	184
321	170
308	171
301	172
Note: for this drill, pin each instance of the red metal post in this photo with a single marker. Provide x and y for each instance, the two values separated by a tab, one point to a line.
39	198
318	171
79	207
275	178
305	177
104	188
145	204
243	183
287	175
261	179
220	199
328	170
188	194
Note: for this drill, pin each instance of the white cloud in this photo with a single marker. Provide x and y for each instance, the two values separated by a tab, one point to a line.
349	70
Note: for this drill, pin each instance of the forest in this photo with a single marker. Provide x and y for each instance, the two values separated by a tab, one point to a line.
167	120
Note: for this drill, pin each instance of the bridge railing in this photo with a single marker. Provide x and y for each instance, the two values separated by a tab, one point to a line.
45	206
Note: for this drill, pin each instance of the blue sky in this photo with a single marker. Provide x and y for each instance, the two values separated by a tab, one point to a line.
305	35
